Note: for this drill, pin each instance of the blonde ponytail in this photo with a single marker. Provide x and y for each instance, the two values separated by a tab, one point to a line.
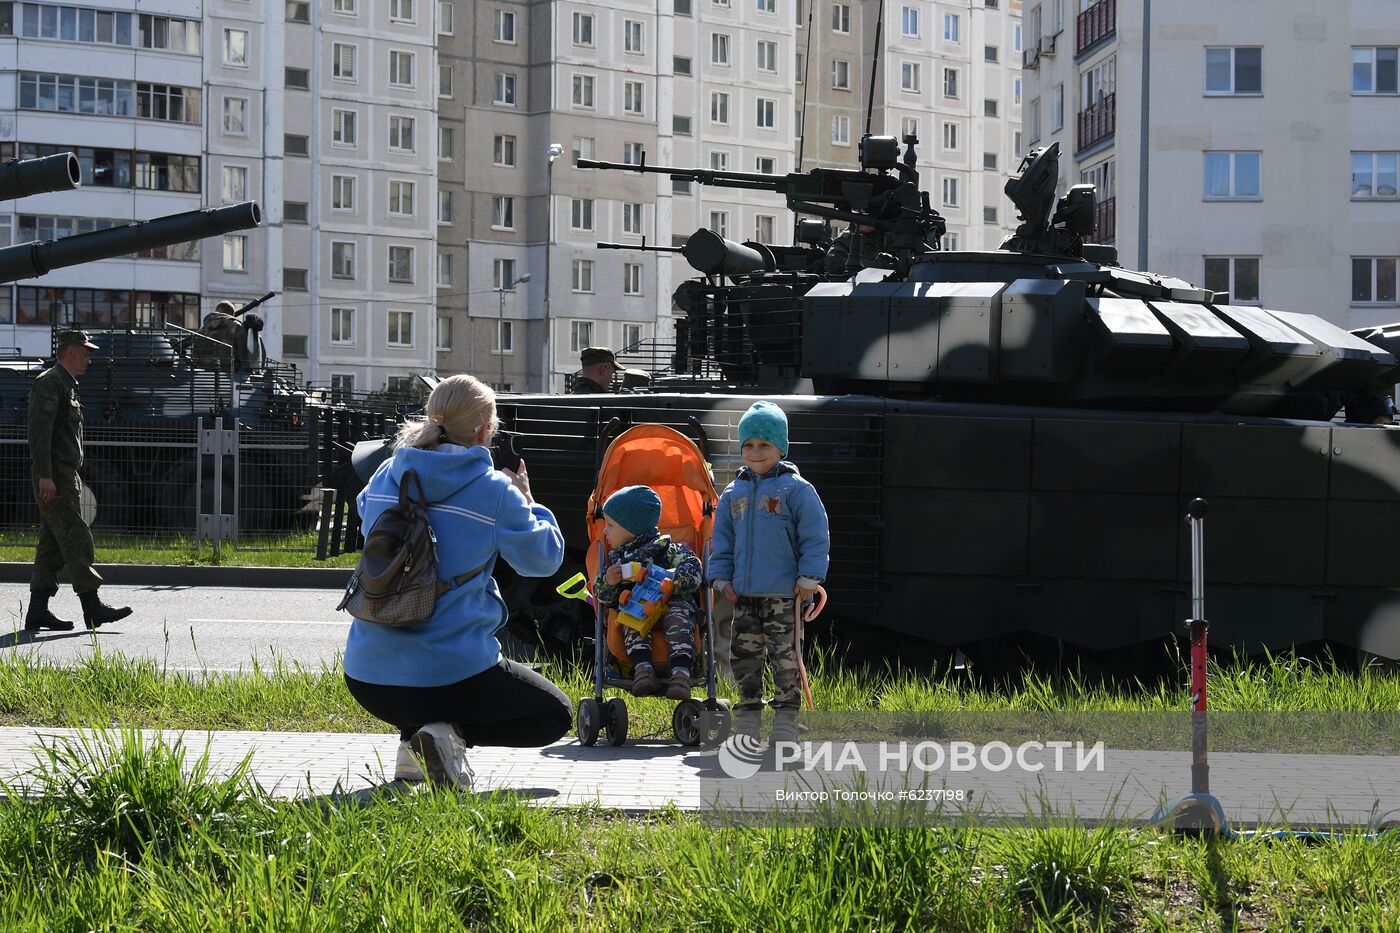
457	410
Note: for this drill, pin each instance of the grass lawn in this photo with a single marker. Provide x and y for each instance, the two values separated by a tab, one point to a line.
291	550
121	837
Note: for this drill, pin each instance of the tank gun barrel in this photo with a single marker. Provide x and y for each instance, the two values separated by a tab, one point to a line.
19	178
33	259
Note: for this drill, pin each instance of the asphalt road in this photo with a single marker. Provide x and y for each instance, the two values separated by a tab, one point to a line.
189	628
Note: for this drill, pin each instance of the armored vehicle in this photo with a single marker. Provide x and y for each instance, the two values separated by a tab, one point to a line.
1006	440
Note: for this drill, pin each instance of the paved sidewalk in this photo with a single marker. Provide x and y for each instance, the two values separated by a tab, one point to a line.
1255	788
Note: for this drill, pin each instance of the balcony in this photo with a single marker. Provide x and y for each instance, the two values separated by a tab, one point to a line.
1095	24
1097	123
1105	221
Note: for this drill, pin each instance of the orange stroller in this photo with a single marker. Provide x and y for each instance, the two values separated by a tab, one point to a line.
674	466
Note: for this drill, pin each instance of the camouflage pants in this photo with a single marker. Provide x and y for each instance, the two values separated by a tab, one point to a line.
64	541
677	626
763	630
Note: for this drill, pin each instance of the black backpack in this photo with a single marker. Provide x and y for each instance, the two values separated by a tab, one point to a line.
396	581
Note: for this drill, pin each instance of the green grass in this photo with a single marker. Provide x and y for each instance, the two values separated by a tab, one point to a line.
290	550
122	837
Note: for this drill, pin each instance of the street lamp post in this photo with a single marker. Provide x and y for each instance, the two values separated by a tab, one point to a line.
501	322
546	367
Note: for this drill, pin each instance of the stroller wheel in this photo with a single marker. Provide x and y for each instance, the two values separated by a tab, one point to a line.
715	723
615	720
688	723
590	720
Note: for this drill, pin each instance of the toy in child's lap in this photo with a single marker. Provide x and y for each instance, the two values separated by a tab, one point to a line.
640	607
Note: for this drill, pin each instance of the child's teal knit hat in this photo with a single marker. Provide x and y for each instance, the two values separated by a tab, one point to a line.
636	508
764	421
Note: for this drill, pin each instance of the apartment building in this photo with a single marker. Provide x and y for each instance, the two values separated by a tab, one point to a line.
1251	147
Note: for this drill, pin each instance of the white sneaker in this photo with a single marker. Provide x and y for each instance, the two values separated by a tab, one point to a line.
442	755
406	767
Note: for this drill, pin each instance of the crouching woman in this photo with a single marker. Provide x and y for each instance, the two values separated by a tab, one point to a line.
443	683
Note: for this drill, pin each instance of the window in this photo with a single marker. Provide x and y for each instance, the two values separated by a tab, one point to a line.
680	65
841	75
797	118
108	97
909	77
1238	276
1016	38
342	387
631	278
343	61
989	107
583	91
401	198
235	183
343	327
505	337
632	153
909	126
445	81
1373	175
342	192
342	260
1101	176
505	26
343	128
400	329
632	37
1234	71
765	165
236	116
294	280
296	79
583	29
1373	70
767	113
719	49
680	126
444	333
631	336
989	215
950	83
632	97
401	264
502	212
1032	121
1373	280
582	147
159	172
950	241
446	18
582	275
1232	175
344	7
632	219
152	32
719	222
401	69
950	137
989	53
989	160
502	273
841	131
581	214
235	47
841	17
1016	91
503	90
763	226
767	6
447	142
401	134
235	252
1097	83
719	160
909	21
580	335
401	10
950	192
767	56
719	108
294	212
1016	144
444	270
682	7
503	150
950	28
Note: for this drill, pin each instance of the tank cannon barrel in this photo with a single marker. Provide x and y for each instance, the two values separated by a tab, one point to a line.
33	259
19	178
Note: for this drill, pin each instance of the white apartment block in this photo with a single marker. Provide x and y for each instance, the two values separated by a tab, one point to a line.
1250	147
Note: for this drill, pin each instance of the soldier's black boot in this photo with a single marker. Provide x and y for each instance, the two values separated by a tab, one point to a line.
38	617
96	612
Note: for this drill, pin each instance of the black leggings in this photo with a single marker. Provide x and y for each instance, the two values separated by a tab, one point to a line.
507	705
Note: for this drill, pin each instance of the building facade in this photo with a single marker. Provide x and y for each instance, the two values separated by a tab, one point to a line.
1249	147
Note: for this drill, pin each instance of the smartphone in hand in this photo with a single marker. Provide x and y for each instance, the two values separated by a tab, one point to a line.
505	454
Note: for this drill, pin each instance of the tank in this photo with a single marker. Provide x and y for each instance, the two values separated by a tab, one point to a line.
1006	440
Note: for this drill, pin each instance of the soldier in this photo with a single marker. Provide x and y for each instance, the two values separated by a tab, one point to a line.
56	444
599	365
872	243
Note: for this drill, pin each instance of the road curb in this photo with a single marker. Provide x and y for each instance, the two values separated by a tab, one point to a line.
301	578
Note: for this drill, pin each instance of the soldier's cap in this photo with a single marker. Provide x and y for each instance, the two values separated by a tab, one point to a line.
74	338
591	356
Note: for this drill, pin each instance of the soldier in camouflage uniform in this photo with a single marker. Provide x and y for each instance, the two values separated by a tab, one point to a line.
639	507
771	547
56	444
872	243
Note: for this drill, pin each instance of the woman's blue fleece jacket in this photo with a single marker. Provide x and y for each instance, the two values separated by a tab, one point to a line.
476	514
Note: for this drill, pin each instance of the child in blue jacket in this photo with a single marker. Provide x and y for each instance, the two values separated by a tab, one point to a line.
771	546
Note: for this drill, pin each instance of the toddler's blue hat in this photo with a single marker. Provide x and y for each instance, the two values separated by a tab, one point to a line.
636	508
764	421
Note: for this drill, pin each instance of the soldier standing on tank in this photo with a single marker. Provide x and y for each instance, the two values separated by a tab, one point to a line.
599	365
872	243
56	445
